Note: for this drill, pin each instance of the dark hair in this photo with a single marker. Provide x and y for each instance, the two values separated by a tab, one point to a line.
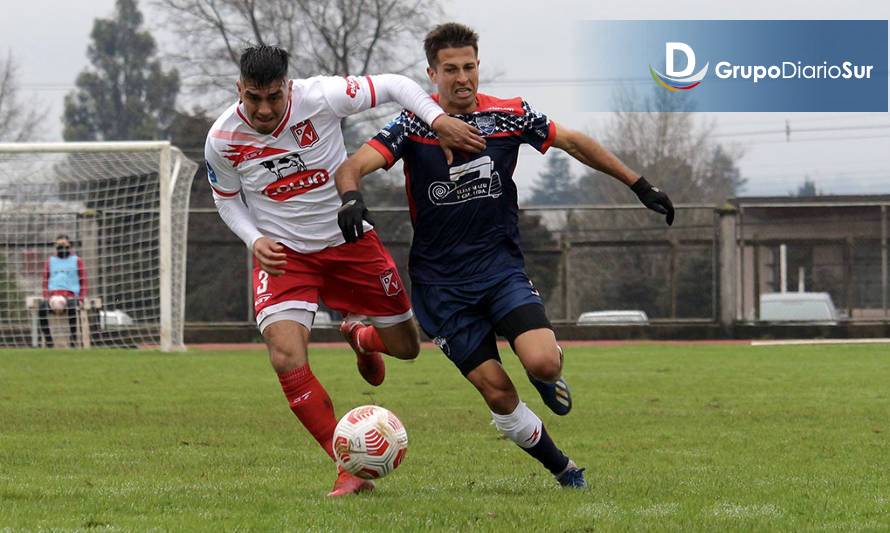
448	35
263	64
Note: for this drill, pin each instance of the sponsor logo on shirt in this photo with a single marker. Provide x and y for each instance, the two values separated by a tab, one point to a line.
471	181
239	153
281	166
352	87
211	174
442	343
296	184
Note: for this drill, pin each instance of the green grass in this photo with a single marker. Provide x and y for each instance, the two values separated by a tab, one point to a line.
674	437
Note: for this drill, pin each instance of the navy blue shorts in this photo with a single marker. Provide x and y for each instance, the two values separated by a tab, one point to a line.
461	318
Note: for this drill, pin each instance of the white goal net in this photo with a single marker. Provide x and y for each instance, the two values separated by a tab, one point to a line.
124	208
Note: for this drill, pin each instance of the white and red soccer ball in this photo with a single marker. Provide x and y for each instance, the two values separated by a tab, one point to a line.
58	303
370	442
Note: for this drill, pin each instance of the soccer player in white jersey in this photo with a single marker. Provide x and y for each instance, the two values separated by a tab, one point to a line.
279	147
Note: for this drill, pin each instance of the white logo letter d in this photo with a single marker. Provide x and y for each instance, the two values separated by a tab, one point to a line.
669	50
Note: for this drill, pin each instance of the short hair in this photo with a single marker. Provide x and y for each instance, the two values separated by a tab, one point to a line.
448	35
263	64
61	236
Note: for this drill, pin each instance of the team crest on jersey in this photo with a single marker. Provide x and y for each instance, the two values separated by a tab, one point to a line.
392	285
486	124
471	181
304	133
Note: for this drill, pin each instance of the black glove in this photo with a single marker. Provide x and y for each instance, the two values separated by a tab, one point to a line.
351	214
654	198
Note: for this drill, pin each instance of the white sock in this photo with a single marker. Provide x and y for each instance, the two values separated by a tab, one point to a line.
522	426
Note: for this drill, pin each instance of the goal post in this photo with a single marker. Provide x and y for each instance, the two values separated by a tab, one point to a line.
124	207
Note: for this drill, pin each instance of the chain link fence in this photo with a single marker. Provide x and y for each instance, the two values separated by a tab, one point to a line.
580	259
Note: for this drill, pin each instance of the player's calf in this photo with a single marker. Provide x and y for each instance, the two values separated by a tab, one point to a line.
495	386
400	340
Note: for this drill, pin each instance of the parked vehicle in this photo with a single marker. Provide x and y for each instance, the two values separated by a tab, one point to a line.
112	318
613	318
811	307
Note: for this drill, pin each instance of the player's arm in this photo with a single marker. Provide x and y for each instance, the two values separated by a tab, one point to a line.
592	154
46	279
226	186
354	94
82	277
348	179
453	134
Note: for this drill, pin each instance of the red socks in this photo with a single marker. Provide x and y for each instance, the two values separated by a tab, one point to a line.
311	403
369	339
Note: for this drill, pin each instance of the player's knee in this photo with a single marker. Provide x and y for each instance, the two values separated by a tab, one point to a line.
283	360
546	368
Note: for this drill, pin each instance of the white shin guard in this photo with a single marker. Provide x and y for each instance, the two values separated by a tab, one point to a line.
522	426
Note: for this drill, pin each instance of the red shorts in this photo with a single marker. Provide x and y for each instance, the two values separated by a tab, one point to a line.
359	278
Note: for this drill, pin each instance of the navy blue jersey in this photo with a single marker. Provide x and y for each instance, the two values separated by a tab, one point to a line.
465	215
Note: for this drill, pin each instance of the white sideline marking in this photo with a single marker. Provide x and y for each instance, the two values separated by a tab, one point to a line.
820	341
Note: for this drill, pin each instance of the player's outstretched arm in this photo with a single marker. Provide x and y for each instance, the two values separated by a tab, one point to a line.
348	179
454	134
594	155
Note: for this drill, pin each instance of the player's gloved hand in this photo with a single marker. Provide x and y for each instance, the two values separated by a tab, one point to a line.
270	255
351	214
653	198
455	134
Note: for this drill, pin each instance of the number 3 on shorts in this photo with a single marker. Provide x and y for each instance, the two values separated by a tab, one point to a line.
263	278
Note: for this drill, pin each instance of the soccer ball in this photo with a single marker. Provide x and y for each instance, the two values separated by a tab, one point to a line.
370	442
58	303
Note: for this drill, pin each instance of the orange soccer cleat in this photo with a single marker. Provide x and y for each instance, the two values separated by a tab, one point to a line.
349	484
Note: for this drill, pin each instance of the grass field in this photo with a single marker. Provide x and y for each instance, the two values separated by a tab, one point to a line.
675	437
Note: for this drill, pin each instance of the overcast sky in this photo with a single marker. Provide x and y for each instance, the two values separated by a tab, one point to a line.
525	43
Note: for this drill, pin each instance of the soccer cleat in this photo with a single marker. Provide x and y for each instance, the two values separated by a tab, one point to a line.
557	395
349	484
370	364
572	477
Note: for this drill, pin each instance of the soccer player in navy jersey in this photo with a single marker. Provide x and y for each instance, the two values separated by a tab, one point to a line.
466	267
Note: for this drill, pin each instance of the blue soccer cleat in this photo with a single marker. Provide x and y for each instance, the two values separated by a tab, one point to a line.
572	477
557	395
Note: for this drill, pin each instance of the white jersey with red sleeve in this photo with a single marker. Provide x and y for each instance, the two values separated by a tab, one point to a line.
287	176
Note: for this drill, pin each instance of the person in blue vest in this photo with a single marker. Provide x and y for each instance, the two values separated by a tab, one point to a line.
63	275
